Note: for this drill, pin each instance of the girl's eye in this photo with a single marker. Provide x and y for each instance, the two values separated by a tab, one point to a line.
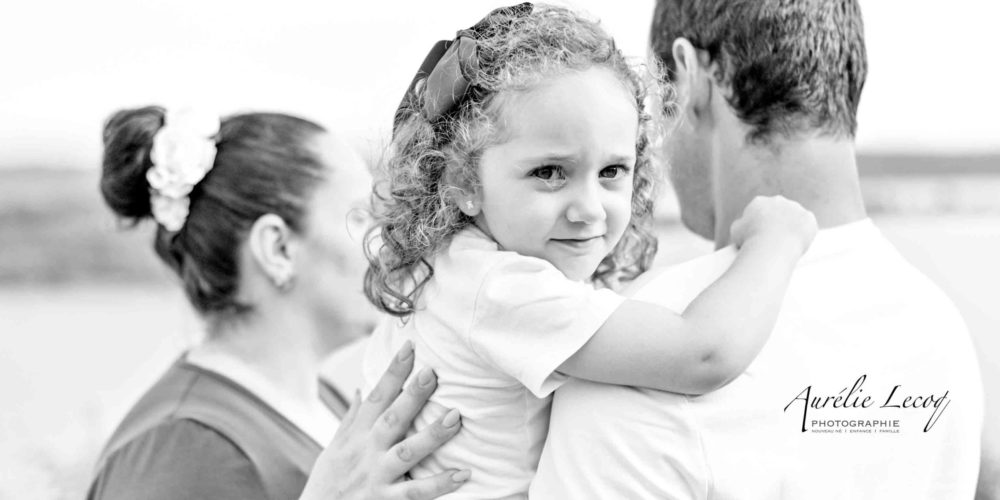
613	171
547	173
553	176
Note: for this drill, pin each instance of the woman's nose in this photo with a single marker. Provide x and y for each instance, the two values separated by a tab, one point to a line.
586	206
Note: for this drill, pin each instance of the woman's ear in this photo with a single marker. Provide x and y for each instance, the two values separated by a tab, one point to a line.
273	248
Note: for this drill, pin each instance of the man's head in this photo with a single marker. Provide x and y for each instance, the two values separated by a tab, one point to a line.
751	73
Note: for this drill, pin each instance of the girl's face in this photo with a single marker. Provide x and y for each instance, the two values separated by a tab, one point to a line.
561	187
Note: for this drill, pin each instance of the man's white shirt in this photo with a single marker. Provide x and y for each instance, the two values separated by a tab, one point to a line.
858	322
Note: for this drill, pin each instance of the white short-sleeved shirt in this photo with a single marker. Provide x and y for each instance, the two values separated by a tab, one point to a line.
494	325
854	308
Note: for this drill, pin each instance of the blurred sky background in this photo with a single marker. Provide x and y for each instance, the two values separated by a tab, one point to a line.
67	64
89	317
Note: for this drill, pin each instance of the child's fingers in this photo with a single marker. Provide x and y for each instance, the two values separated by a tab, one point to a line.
387	388
395	420
738	232
407	453
429	487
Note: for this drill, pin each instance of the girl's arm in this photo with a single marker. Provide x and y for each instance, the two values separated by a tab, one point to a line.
721	331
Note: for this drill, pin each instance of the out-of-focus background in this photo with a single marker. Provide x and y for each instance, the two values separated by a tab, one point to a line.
89	318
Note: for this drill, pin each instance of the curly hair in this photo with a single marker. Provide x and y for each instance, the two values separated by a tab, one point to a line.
428	161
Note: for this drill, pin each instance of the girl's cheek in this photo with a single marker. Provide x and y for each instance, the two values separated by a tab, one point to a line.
623	208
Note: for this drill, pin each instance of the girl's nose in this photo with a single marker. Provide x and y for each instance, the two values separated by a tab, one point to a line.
586	206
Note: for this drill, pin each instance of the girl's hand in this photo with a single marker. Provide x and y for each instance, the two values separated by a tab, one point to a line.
367	459
776	218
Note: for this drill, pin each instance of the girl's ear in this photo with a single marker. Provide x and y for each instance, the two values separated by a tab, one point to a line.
273	249
470	203
463	188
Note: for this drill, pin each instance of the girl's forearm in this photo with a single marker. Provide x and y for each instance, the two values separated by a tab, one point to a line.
734	316
713	341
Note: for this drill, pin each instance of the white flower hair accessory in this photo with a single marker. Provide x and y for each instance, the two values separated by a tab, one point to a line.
183	152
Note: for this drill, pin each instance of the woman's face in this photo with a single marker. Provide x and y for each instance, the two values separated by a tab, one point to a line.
331	265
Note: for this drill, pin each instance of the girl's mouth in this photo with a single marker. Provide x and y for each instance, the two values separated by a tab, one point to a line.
578	243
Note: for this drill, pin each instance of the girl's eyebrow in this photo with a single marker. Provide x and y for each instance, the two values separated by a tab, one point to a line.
562	158
572	158
616	159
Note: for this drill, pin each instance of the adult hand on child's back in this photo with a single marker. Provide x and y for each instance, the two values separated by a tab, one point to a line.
775	217
368	458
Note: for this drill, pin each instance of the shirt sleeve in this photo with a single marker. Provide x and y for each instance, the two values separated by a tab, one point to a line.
529	318
179	459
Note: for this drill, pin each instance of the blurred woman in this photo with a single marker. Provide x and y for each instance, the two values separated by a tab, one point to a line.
260	216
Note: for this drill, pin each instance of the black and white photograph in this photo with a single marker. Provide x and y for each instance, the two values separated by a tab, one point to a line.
578	249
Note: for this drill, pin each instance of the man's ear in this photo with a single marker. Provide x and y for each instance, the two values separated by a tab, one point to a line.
273	248
693	79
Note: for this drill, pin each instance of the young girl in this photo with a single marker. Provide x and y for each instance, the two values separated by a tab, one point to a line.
519	179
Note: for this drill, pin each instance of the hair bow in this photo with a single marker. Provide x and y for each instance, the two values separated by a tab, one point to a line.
449	68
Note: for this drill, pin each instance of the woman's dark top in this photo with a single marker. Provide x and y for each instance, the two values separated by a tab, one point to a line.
198	435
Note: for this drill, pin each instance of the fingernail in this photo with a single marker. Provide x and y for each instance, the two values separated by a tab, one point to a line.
451	418
461	476
406	351
425	377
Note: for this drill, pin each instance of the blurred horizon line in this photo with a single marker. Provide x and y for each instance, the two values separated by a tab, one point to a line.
870	164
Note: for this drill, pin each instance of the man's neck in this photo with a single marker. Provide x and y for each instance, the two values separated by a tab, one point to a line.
818	172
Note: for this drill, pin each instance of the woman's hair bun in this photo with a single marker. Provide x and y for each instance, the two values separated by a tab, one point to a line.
128	138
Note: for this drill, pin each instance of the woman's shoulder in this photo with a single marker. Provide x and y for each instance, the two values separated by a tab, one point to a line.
193	420
178	458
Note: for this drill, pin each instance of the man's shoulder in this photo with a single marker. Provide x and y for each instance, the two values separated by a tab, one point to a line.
677	284
855	307
883	277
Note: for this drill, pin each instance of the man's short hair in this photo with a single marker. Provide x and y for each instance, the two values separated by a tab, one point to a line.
791	65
